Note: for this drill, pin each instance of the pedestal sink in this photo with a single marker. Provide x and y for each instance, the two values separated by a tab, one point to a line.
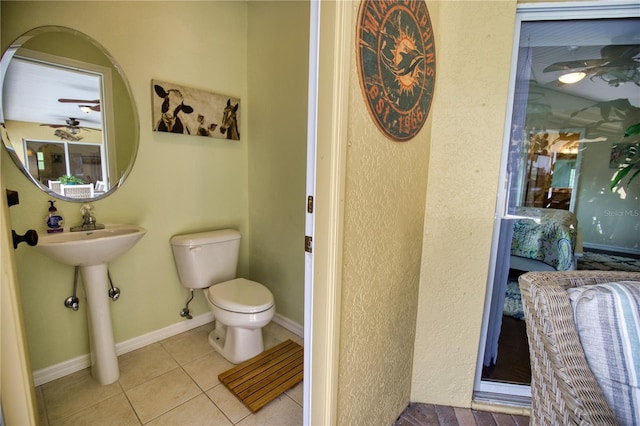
91	251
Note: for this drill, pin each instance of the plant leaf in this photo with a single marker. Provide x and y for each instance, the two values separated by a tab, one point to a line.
620	174
633	176
632	130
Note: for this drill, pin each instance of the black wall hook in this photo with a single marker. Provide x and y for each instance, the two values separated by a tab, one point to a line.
30	237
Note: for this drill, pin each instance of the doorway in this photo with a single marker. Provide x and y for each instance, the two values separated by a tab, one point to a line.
556	192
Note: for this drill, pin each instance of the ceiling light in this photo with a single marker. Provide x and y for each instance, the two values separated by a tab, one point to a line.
572	77
85	108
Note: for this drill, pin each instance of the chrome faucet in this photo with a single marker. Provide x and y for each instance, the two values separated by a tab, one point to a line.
88	220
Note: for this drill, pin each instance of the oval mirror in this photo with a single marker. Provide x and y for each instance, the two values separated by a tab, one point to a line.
67	115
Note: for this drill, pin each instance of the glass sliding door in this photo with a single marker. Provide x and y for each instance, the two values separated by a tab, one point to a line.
558	164
48	160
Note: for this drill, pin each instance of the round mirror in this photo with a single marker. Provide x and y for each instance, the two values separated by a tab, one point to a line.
67	116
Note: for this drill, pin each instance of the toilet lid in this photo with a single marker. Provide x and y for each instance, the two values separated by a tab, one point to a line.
240	295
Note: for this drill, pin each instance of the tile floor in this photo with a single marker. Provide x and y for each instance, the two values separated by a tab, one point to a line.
171	382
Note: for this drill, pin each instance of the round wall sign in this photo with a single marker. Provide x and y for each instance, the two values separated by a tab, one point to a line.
396	64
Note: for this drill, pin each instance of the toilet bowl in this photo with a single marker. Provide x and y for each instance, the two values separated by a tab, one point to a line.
240	307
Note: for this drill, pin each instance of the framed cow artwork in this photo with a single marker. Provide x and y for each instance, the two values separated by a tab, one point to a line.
195	112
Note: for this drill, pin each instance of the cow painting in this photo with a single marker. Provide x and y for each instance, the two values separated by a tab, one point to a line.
195	112
172	106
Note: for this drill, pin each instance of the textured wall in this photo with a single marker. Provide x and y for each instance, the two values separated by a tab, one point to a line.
474	55
277	82
384	214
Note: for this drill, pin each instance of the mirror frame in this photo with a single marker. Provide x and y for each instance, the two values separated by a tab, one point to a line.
116	181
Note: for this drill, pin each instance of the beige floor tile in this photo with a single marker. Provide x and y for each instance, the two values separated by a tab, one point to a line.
199	411
297	393
144	364
205	370
207	328
159	391
113	411
274	334
75	392
228	403
270	340
188	346
162	394
282	411
42	411
277	331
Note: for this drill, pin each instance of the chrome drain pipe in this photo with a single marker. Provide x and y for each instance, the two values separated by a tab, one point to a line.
72	302
185	311
114	292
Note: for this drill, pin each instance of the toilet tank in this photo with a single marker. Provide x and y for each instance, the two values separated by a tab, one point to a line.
206	258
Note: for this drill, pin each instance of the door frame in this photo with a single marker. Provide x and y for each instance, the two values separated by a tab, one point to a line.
17	391
329	67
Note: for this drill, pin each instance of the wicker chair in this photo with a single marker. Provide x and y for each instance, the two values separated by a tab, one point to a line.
78	191
563	388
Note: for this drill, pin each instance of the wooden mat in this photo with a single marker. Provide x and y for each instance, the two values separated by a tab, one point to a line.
261	379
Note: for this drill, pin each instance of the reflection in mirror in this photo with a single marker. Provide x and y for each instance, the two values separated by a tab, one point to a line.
67	113
562	208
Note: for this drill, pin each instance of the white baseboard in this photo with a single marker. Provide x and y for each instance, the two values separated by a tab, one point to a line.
290	325
78	363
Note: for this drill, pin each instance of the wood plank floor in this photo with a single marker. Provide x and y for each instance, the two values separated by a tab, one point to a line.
512	365
417	414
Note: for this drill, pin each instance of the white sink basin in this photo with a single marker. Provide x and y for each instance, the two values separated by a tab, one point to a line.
91	251
84	248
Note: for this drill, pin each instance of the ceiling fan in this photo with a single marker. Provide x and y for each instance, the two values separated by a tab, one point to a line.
68	131
83	104
72	125
618	64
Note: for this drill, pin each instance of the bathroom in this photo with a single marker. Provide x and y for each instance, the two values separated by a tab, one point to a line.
387	230
180	183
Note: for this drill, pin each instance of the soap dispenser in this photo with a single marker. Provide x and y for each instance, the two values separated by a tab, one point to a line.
54	220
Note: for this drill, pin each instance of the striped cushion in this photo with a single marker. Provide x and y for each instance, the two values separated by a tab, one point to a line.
607	318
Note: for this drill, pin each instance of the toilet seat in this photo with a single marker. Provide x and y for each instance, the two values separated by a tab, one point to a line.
240	295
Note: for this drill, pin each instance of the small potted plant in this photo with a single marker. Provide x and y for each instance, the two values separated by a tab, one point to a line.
70	180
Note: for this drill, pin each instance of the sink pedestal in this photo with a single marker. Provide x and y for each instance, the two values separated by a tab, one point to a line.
92	250
104	361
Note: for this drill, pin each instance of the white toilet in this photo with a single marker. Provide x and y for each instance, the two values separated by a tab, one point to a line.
208	260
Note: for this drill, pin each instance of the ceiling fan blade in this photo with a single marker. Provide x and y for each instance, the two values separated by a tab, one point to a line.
55	126
579	64
620	51
95	108
79	101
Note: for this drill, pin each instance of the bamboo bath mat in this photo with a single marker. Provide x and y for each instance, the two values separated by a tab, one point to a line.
261	379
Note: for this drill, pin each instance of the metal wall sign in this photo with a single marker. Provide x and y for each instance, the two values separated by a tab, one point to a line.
396	64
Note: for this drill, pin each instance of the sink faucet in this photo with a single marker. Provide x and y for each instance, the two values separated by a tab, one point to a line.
88	220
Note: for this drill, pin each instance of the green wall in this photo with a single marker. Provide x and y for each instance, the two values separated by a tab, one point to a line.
179	183
277	74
